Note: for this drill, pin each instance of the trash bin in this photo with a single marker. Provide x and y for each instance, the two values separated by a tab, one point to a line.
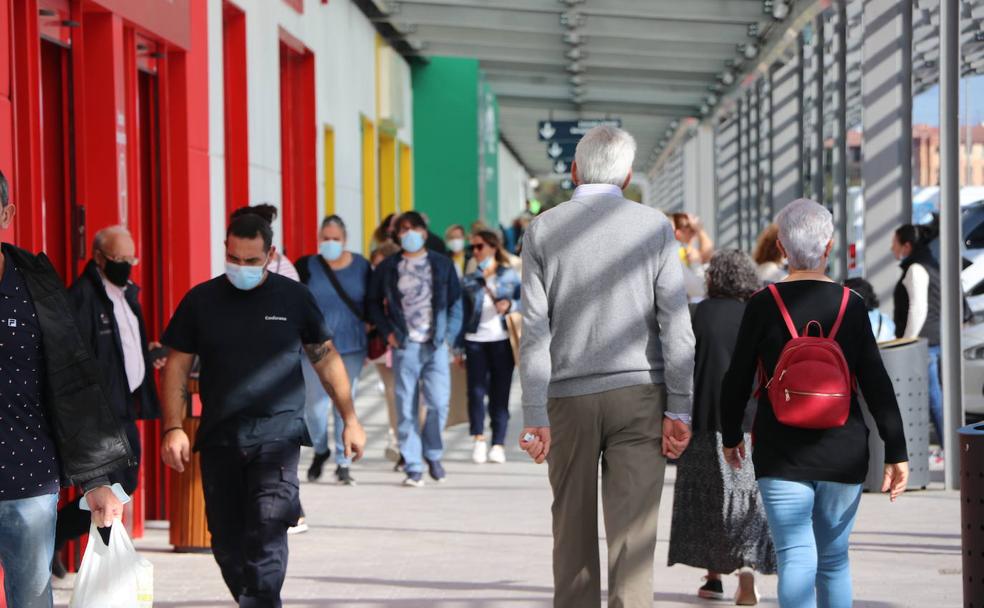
186	508
971	440
906	365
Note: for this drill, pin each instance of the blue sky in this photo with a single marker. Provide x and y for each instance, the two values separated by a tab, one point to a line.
926	107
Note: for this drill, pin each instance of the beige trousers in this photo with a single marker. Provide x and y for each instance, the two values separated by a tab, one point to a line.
622	428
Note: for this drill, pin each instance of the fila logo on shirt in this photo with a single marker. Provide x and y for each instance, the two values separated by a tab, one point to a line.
274	318
13	322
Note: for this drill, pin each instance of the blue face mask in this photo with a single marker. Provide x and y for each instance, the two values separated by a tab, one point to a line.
412	241
331	250
484	264
244	277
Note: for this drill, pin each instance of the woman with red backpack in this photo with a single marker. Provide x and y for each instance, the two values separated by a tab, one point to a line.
809	343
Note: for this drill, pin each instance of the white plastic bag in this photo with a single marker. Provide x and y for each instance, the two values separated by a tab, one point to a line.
113	575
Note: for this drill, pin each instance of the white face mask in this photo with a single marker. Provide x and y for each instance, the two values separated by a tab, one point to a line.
456	245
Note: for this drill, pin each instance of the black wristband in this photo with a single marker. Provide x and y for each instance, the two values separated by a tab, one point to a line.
173	428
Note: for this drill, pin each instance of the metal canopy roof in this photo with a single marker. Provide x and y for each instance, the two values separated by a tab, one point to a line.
648	62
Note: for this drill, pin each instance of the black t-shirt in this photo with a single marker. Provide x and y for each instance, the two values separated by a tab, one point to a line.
249	344
839	454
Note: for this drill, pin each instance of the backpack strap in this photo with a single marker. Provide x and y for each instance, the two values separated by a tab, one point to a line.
840	315
784	311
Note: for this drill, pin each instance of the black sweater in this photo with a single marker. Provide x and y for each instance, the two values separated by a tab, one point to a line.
839	454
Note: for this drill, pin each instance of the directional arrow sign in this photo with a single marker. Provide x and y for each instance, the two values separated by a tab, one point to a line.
561	167
571	130
561	150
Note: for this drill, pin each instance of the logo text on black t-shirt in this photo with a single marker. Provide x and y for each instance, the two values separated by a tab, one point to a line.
274	318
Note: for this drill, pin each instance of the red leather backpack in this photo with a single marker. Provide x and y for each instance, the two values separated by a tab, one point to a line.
811	385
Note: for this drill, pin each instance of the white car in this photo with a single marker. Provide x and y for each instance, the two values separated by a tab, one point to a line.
973	372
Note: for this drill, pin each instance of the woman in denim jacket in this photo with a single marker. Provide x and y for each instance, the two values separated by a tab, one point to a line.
490	293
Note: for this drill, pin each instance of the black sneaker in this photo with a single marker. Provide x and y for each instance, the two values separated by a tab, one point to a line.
344	476
414	480
713	589
57	567
436	470
400	465
314	471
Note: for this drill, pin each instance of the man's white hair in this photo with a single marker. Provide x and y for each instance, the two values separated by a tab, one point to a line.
805	228
605	156
103	235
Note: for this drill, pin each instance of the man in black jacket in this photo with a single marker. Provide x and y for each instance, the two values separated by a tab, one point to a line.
57	425
111	322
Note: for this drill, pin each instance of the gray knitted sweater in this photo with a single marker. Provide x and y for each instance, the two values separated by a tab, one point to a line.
604	303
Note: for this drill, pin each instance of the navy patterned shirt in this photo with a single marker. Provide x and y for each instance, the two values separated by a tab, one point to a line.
28	461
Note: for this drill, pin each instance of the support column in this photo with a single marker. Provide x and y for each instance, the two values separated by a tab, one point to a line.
886	169
744	204
726	158
952	292
787	104
765	149
839	153
818	153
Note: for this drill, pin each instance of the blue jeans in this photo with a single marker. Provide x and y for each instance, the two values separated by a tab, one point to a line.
27	544
317	404
425	365
811	524
936	392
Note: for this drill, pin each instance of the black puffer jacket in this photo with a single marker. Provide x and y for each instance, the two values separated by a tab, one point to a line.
88	435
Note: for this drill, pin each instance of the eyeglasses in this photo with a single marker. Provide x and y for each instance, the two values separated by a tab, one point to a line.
132	261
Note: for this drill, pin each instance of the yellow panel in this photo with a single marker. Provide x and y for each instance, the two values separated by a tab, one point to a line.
387	175
406	177
329	171
370	201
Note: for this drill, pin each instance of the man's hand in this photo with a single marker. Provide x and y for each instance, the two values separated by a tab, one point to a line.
539	446
896	479
392	341
104	505
459	360
676	437
160	362
353	438
176	450
734	456
503	306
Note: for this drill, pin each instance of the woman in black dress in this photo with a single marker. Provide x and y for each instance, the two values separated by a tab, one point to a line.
718	520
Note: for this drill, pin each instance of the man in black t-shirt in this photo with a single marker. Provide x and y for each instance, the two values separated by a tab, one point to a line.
248	328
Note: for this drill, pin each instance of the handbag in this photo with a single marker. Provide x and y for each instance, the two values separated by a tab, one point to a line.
377	344
512	322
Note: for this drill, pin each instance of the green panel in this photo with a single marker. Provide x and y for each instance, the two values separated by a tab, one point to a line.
489	155
446	140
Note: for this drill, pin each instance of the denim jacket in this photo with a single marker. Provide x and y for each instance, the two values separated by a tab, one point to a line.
385	306
507	287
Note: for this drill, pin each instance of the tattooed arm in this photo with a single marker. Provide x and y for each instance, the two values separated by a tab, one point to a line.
331	371
175	447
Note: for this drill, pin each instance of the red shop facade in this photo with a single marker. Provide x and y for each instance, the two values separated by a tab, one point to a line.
104	120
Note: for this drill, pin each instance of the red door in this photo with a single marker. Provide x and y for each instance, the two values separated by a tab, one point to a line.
298	133
58	193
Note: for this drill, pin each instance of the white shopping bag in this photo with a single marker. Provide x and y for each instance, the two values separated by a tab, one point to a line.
113	575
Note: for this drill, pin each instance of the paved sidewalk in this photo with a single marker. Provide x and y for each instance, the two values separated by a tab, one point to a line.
482	540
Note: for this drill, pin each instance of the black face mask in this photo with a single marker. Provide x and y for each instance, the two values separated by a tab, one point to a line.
118	273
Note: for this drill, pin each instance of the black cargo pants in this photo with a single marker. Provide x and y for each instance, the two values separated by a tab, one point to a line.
251	498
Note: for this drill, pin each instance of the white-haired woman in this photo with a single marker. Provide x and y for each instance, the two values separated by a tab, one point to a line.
810	478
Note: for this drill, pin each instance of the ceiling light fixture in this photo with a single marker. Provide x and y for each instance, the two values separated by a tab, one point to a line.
572	19
750	51
573	37
711	100
575	67
574	53
727	77
704	109
577	80
674	124
780	10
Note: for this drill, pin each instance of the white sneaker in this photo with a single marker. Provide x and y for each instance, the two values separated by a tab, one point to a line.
497	455
299	528
392	451
480	453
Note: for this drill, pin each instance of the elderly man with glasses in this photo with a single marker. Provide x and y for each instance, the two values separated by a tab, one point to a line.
111	322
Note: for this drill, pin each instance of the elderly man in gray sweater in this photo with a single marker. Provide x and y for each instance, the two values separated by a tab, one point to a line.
607	371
